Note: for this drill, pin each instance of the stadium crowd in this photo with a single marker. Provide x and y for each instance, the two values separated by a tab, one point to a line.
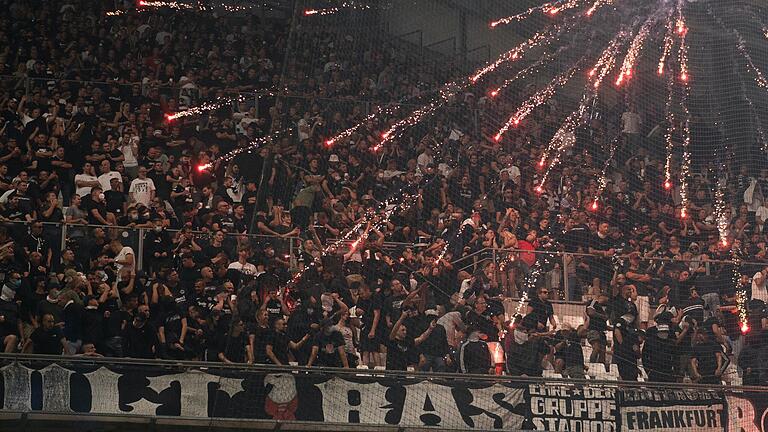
85	140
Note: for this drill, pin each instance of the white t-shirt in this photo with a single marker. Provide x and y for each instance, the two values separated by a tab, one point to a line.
125	251
514	173
246	268
424	160
142	190
759	292
630	122
130	158
85	190
304	129
104	179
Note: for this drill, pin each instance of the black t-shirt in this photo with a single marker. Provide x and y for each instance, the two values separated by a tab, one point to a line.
47	341
392	307
436	344
260	339
596	323
625	351
401	354
172	327
570	351
705	353
115	201
542	310
274	310
233	347
279	343
327	348
368	306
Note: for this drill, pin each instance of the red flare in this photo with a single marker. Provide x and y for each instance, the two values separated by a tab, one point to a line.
310	12
497	138
684	76
515	55
683	213
517	122
594	205
667	185
329	143
201	168
744	328
494	93
385	135
541	163
539	189
628	73
553	11
592	72
494	24
724	242
142	3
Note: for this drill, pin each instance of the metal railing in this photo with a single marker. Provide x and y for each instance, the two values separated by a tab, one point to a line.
563	273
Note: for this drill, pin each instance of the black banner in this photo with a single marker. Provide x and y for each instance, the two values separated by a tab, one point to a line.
672	410
370	398
316	397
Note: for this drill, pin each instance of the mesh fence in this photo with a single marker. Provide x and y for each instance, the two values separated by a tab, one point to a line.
562	189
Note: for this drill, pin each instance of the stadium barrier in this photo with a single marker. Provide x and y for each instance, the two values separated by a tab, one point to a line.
351	399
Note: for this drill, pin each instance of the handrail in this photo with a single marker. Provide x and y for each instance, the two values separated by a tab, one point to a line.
160	363
620	256
390	245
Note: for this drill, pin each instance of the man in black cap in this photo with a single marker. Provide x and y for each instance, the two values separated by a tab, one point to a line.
660	356
626	339
328	347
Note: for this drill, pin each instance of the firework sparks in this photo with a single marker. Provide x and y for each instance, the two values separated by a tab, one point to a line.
607	59
399	201
164	5
635	48
685	166
597	5
530	11
347	5
445	95
556	9
602	182
525	72
536	100
669	42
669	144
760	79
205	107
349	131
542	38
